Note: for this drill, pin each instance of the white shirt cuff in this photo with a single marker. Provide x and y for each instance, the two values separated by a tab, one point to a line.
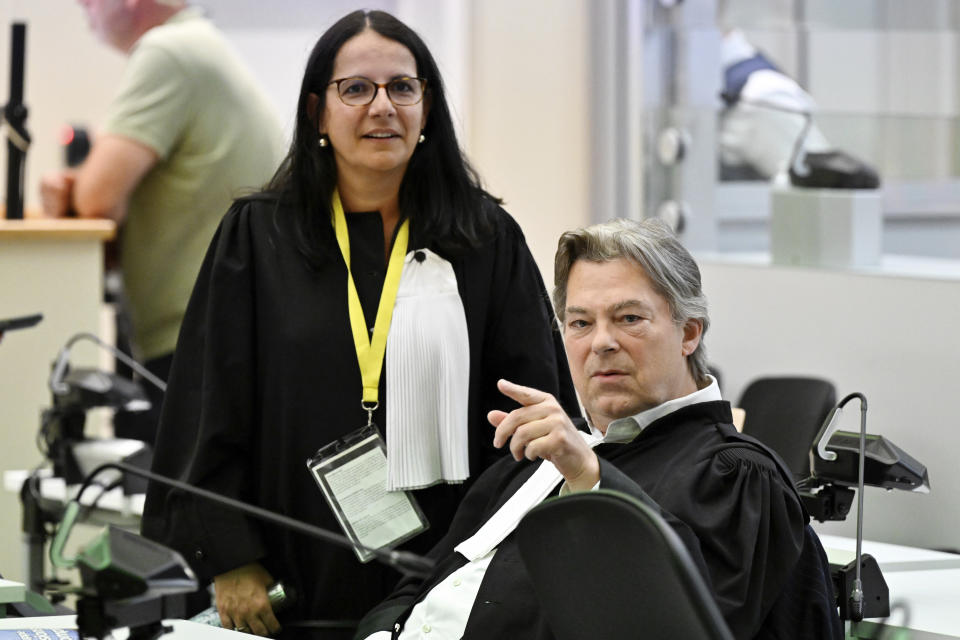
565	490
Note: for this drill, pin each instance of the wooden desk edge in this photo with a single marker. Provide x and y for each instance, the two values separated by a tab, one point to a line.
57	228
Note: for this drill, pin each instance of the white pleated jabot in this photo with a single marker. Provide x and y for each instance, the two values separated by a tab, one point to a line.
428	375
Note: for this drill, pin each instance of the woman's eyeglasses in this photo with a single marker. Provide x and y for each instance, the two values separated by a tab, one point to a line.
358	91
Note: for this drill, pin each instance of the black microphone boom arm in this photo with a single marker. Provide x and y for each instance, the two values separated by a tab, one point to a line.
403	561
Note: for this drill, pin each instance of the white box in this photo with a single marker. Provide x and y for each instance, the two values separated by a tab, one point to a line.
825	227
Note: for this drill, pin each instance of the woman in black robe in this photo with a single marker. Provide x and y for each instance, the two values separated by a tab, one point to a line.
266	370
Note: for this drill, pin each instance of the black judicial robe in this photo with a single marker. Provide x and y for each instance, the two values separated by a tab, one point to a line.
265	373
731	501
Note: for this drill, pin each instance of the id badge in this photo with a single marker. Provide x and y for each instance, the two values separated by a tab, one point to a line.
352	475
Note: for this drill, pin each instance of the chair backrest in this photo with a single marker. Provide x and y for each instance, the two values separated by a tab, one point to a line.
786	413
605	565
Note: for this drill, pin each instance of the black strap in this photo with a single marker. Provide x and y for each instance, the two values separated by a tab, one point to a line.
736	75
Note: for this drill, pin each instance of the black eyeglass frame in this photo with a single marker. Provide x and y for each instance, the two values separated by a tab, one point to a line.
381	85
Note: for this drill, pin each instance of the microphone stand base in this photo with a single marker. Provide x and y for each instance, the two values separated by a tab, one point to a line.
876	595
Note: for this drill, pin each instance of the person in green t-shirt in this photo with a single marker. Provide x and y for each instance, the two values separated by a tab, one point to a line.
188	131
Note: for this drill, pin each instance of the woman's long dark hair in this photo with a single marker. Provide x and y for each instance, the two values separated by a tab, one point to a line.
440	192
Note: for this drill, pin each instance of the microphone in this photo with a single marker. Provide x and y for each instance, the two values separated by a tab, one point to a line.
830	426
58	385
404	561
74	390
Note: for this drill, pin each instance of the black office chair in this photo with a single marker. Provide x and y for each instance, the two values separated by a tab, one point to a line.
605	565
786	413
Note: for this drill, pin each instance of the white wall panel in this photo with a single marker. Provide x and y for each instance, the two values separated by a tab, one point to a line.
893	338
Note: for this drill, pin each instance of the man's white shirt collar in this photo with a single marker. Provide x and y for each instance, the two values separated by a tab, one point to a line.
626	429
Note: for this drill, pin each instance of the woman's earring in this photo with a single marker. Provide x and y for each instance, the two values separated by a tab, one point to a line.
421	139
323	142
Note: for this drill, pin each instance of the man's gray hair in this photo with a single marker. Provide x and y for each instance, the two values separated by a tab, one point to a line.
653	247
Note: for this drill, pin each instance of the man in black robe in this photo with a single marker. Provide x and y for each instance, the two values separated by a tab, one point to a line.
629	298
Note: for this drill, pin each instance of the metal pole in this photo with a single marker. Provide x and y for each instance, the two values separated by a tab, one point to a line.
15	115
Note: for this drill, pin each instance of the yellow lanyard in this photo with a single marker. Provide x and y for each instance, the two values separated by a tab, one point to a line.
370	352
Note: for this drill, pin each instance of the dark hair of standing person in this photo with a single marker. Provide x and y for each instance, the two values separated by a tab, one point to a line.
440	192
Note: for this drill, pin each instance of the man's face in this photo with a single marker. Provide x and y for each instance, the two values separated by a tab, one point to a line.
110	20
626	352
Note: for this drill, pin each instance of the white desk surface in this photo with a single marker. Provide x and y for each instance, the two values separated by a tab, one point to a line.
181	628
58	490
890	557
11	591
926	582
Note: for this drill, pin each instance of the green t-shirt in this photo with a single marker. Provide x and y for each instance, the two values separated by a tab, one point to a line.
187	95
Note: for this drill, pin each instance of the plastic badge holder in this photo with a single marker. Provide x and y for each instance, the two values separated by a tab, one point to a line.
352	475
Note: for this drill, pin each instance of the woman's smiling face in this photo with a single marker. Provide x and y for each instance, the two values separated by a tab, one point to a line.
379	137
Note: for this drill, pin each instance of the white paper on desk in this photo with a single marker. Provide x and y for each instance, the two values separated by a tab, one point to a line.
39	634
354	482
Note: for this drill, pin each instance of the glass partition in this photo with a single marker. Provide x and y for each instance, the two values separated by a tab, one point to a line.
884	80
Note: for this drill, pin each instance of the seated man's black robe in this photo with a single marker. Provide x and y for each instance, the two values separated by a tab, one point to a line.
730	499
